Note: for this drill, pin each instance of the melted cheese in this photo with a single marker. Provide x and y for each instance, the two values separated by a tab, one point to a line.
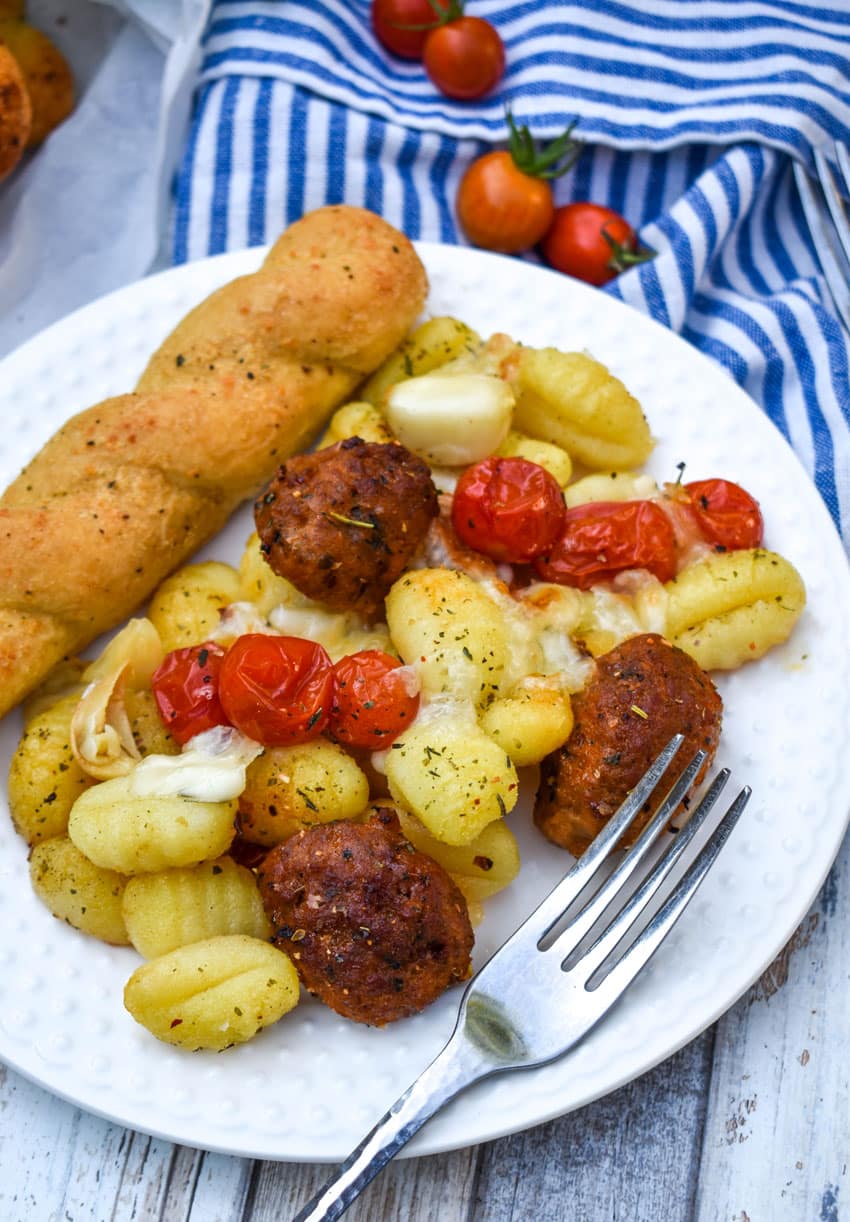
340	633
211	768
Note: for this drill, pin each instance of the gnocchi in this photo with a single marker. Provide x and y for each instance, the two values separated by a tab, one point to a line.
433	344
214	993
44	778
452	776
75	890
175	907
445	625
546	454
290	788
534	718
573	400
186	607
733	607
133	834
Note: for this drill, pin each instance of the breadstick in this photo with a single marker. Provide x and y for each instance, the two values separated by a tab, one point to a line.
129	489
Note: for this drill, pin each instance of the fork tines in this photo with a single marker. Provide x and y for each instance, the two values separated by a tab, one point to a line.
619	943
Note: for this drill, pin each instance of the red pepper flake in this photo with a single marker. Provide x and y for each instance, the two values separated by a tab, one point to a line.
175	1022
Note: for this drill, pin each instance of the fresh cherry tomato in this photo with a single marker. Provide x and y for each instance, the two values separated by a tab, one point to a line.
504	202
464	56
372	700
185	688
403	25
277	689
726	515
508	508
603	538
592	243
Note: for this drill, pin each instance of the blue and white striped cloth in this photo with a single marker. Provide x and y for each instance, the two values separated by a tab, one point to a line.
691	111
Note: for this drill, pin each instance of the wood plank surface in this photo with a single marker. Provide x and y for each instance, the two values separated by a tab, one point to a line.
777	1131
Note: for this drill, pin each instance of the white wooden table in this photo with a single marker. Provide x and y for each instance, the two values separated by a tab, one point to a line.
749	1123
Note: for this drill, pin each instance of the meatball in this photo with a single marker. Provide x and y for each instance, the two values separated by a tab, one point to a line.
376	929
641	694
343	523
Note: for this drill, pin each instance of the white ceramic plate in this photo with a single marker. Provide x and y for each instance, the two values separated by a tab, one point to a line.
310	1087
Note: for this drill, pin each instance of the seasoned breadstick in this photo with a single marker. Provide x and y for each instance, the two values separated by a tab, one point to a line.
128	489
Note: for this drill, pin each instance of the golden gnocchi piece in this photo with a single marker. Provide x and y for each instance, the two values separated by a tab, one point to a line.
213	994
451	776
176	907
733	607
552	458
290	788
532	720
77	891
574	401
134	834
480	869
611	486
44	778
259	585
431	345
149	734
356	419
444	624
185	609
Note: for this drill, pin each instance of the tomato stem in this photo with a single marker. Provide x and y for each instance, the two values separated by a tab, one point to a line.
624	256
551	160
443	14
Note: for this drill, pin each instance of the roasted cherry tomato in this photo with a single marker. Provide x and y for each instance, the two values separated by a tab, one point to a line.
603	538
508	508
464	56
185	687
504	201
277	689
592	243
373	702
726	515
245	852
403	25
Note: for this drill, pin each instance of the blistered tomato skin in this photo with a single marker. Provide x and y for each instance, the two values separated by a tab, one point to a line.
373	703
604	538
725	513
509	509
186	690
277	690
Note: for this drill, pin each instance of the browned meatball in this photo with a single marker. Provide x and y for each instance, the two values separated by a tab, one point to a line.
376	929
342	524
641	694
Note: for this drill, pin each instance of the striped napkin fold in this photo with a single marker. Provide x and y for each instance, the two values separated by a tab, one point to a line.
691	113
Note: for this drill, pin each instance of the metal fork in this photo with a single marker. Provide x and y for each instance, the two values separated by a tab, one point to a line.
827	219
547	986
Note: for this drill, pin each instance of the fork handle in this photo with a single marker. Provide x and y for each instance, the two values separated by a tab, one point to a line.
456	1067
